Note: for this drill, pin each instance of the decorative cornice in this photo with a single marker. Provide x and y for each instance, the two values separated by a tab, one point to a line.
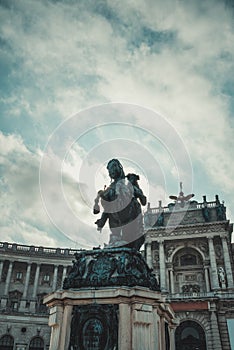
190	229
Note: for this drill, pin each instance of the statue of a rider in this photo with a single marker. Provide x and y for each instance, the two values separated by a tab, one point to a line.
121	202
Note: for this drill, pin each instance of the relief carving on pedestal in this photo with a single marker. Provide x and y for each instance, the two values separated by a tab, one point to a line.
94	327
110	267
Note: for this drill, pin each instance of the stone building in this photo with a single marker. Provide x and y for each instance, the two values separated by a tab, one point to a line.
188	245
27	274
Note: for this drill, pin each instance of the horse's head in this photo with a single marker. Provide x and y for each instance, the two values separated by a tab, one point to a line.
133	178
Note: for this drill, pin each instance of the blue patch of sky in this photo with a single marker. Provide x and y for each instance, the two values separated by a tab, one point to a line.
154	39
219	71
101	8
55	233
227	90
133	31
8	64
202	184
6	3
34	133
228	87
109	132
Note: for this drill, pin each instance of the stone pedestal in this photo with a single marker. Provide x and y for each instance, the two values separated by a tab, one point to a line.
110	301
122	318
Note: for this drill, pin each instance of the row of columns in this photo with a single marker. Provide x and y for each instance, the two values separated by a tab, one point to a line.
27	278
213	266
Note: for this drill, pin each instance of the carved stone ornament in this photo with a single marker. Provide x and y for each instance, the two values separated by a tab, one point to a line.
170	251
110	267
94	327
218	251
191	288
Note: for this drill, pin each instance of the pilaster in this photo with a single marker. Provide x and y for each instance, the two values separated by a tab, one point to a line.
55	278
207	280
213	265
215	331
149	254
36	280
1	268
125	341
171	277
64	275
227	263
162	266
27	280
8	278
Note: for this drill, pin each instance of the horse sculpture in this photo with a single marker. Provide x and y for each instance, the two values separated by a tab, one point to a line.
122	208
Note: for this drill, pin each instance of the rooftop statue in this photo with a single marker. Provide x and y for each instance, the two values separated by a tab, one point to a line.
121	202
182	198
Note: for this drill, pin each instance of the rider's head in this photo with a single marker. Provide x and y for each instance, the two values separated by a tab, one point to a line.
115	169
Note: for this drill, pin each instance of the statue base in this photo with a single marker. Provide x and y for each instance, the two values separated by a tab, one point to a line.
122	318
110	301
110	267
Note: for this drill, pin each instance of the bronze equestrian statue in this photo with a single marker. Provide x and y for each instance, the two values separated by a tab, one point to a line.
121	202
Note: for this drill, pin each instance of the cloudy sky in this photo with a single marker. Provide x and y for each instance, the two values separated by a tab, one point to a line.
149	82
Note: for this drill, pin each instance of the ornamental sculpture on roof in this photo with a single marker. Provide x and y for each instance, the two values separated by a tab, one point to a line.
181	198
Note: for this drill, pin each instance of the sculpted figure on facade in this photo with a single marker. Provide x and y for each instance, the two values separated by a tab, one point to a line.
221	212
218	250
170	251
222	277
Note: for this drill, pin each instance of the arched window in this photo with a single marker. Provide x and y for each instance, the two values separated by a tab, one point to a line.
190	336
36	343
189	273
188	259
6	342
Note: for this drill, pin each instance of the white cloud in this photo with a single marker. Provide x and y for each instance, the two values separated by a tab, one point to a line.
24	218
72	56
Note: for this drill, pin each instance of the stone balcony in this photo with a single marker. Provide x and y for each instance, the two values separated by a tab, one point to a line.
35	250
201	295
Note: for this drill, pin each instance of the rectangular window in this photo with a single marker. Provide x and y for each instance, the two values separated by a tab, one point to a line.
14	305
46	278
21	347
19	275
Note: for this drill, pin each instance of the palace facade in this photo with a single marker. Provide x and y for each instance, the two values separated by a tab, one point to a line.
188	246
